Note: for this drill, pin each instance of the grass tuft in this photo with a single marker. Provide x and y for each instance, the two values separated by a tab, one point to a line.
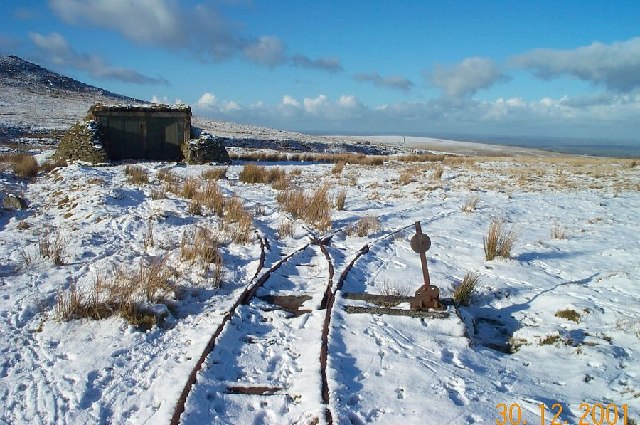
463	292
470	203
365	226
499	241
341	198
314	209
568	314
136	174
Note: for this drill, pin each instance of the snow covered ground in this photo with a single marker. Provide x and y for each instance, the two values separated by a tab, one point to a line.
576	250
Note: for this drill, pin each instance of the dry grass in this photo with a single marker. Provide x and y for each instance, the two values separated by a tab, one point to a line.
407	176
211	197
194	207
314	209
569	315
470	203
214	173
158	193
437	172
341	198
50	165
285	229
240	218
338	167
558	232
149	240
124	292
136	174
168	176
203	247
365	226
463	292
350	158
190	188
499	241
22	164
51	245
421	157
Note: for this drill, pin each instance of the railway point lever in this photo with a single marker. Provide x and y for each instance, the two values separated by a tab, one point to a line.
427	296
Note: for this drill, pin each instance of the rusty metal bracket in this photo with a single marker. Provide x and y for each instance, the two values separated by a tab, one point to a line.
427	296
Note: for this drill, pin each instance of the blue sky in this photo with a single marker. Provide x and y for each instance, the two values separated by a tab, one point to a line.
509	68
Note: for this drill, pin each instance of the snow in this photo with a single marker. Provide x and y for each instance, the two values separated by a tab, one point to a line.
381	368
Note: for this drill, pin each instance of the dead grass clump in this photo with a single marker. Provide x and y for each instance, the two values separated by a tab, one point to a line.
203	247
499	241
240	218
470	203
365	226
51	245
190	188
158	193
214	173
338	167
558	232
463	292
124	292
341	198
252	173
168	176
550	339
194	207
211	197
136	174
568	314
421	157
437	173
315	209
50	165
407	177
22	164
285	229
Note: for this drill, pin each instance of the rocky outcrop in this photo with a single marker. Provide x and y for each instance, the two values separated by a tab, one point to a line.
12	202
82	143
204	149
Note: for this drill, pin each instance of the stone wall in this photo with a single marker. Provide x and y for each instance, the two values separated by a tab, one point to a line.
205	148
82	143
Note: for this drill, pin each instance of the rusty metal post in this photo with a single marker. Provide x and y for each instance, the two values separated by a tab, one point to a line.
421	238
427	296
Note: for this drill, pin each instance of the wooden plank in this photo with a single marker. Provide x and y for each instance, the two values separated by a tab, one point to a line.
428	314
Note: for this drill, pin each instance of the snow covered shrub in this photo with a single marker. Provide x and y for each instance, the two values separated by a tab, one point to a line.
365	226
499	241
136	174
463	292
51	245
470	203
341	199
158	193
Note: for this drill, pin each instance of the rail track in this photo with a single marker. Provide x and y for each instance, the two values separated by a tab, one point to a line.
258	361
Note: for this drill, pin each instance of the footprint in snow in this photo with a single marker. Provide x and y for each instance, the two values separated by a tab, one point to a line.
456	389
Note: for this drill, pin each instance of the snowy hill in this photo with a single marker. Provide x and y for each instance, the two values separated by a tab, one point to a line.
37	100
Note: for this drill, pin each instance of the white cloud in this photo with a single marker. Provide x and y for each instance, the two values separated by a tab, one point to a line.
55	49
313	105
267	50
231	106
466	77
290	100
206	101
615	66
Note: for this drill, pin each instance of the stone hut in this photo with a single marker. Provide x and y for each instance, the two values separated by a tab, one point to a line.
154	132
147	132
